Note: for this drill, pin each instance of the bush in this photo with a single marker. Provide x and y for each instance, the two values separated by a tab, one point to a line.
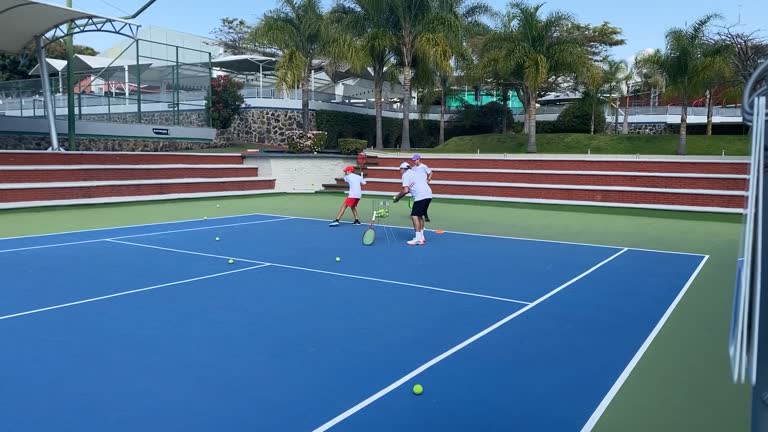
476	120
351	146
310	142
225	102
577	117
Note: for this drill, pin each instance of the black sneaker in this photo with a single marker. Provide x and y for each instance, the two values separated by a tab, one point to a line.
356	222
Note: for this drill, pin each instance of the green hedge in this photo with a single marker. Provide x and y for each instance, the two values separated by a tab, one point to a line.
352	146
424	133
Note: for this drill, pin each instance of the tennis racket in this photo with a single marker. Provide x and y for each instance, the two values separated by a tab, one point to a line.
362	158
369	236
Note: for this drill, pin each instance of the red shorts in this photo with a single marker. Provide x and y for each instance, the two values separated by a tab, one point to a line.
351	202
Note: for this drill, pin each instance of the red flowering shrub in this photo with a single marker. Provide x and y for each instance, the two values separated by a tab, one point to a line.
225	102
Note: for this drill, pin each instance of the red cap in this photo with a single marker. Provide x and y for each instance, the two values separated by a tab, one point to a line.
349	168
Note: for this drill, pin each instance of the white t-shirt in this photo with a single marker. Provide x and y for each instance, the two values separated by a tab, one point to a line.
422	168
355	181
416	181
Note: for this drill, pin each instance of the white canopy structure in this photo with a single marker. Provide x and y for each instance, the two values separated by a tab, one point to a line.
25	21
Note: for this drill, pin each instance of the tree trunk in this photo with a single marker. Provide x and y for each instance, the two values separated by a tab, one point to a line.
592	124
616	122
709	112
504	102
441	138
531	96
683	130
522	98
406	134
305	103
379	83
625	126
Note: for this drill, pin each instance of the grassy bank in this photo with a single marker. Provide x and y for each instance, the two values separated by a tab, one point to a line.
733	145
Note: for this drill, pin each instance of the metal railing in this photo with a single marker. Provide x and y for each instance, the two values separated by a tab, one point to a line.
24	99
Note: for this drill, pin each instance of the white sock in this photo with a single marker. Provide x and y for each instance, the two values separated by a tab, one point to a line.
420	235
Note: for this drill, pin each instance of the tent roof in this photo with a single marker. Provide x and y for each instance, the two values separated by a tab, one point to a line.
23	20
245	63
86	63
54	65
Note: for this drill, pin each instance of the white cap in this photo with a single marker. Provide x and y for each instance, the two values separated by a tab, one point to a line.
404	165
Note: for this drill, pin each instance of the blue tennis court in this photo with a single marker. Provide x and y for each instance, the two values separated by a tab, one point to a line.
152	328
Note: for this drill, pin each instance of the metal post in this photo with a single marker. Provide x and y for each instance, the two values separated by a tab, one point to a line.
138	84
127	87
759	370
210	90
47	94
177	87
261	80
71	132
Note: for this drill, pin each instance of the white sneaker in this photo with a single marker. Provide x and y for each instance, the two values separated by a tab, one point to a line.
415	241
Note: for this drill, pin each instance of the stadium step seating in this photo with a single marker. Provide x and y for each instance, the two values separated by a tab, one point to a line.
45	178
699	185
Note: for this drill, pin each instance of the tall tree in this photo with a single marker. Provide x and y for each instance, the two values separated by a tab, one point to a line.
233	35
296	30
535	48
419	27
597	39
17	67
615	75
685	66
441	77
592	80
360	38
748	50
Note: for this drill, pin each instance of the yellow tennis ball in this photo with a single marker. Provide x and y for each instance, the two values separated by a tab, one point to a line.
417	389
231	261
338	259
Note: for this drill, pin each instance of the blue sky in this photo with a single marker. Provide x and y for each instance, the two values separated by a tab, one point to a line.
643	21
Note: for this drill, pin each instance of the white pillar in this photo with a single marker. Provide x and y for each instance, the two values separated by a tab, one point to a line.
47	96
127	86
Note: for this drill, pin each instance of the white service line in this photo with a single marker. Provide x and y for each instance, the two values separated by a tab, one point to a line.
129	292
336	420
518	238
471	294
639	354
147	234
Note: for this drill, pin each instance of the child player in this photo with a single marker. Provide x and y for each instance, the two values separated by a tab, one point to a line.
355	193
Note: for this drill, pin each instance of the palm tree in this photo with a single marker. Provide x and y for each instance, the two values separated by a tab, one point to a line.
627	79
593	80
297	30
685	66
615	73
439	77
360	24
419	27
534	49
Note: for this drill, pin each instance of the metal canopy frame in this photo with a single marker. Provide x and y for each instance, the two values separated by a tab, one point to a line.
46	24
92	25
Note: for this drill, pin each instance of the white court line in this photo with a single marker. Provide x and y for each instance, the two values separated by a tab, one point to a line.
519	238
639	354
336	420
325	272
326	220
133	226
128	292
146	234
